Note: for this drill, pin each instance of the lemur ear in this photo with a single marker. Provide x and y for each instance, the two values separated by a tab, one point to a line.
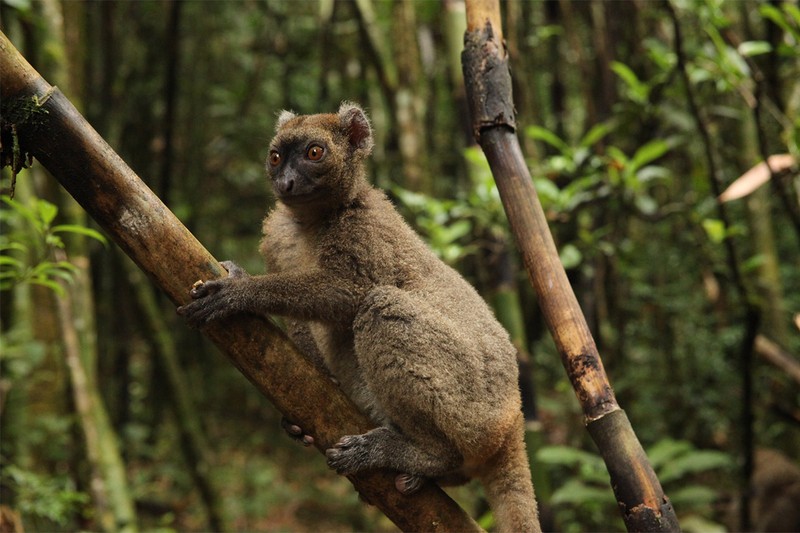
284	117
356	125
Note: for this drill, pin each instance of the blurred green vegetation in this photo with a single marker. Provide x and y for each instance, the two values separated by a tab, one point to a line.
188	92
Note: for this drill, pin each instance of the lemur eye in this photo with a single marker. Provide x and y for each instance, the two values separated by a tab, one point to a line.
315	152
274	158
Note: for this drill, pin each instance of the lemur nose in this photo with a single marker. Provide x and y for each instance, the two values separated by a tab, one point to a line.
286	185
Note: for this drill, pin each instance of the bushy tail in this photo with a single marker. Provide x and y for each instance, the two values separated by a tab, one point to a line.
509	489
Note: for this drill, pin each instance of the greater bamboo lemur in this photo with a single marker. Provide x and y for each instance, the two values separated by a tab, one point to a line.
407	338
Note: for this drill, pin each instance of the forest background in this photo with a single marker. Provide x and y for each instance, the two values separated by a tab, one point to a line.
635	116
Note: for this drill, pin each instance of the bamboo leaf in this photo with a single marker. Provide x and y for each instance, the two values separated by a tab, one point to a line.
694	462
754	48
564	455
66	265
666	450
639	91
25	211
648	153
595	134
81	230
11	261
577	492
543	134
693	495
13	246
50	284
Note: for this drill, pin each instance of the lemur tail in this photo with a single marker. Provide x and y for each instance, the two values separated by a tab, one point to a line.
509	489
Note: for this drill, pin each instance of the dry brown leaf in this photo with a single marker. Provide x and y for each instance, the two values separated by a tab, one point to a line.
756	177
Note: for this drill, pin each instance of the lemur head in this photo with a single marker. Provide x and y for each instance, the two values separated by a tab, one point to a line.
318	160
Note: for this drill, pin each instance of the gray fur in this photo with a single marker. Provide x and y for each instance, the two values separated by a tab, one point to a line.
283	117
408	339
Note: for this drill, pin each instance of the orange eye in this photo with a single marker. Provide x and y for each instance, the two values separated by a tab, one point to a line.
315	152
274	159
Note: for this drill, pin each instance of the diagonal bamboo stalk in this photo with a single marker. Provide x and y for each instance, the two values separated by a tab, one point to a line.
51	130
642	501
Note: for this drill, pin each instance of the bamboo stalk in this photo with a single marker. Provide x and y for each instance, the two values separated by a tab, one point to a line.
642	501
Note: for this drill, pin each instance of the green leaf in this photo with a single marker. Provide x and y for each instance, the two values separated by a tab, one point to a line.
793	11
768	11
564	455
80	230
652	172
545	188
66	275
455	231
666	450
23	210
647	153
754	48
54	241
646	204
576	492
639	91
543	134
475	156
715	229
698	524
624	71
47	270
693	496
11	261
754	263
692	463
66	265
409	198
595	134
618	155
13	246
570	256
22	5
47	212
56	288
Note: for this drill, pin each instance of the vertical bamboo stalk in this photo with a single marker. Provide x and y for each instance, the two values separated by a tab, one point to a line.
642	501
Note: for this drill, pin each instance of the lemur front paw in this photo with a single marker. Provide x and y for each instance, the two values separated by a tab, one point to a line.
349	455
215	299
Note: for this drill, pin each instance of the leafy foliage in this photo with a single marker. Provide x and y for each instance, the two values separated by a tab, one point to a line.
585	497
616	159
44	497
26	252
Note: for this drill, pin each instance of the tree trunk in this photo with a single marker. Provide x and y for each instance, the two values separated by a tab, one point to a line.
108	483
52	130
644	505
